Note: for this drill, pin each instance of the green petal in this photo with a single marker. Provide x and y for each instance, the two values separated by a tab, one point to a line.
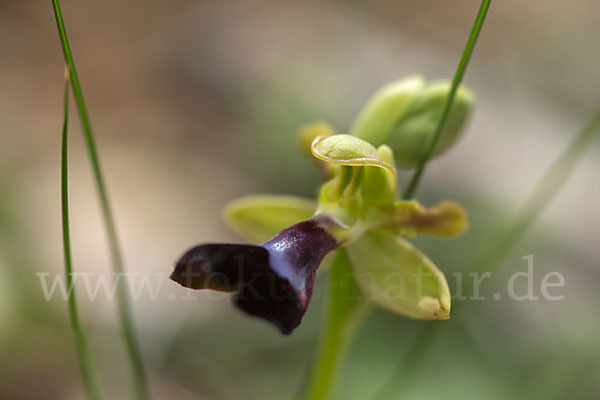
349	151
259	217
409	218
398	277
447	219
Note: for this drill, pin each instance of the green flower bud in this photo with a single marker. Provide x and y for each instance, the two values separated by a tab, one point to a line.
380	116
405	114
413	131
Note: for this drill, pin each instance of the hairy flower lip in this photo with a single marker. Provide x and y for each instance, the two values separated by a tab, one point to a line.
273	281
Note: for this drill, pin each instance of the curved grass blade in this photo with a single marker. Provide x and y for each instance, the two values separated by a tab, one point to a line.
88	371
543	193
124	308
460	72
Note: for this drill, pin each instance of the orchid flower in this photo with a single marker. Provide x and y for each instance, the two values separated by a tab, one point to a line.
357	210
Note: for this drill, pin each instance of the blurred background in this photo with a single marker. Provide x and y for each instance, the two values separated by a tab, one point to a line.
197	102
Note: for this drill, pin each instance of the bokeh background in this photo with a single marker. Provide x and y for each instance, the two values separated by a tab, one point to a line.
197	102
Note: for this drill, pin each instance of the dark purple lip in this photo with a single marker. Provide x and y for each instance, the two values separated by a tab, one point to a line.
273	281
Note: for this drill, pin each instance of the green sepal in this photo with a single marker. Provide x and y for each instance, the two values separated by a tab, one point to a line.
260	217
398	277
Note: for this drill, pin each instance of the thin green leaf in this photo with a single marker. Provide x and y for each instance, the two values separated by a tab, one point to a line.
86	364
460	72
124	308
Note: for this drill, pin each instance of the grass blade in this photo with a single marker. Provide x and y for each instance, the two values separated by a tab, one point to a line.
88	371
460	72
543	193
545	190
124	308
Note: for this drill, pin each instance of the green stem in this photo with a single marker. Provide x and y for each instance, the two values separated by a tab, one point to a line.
345	312
88	371
458	76
127	326
545	190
